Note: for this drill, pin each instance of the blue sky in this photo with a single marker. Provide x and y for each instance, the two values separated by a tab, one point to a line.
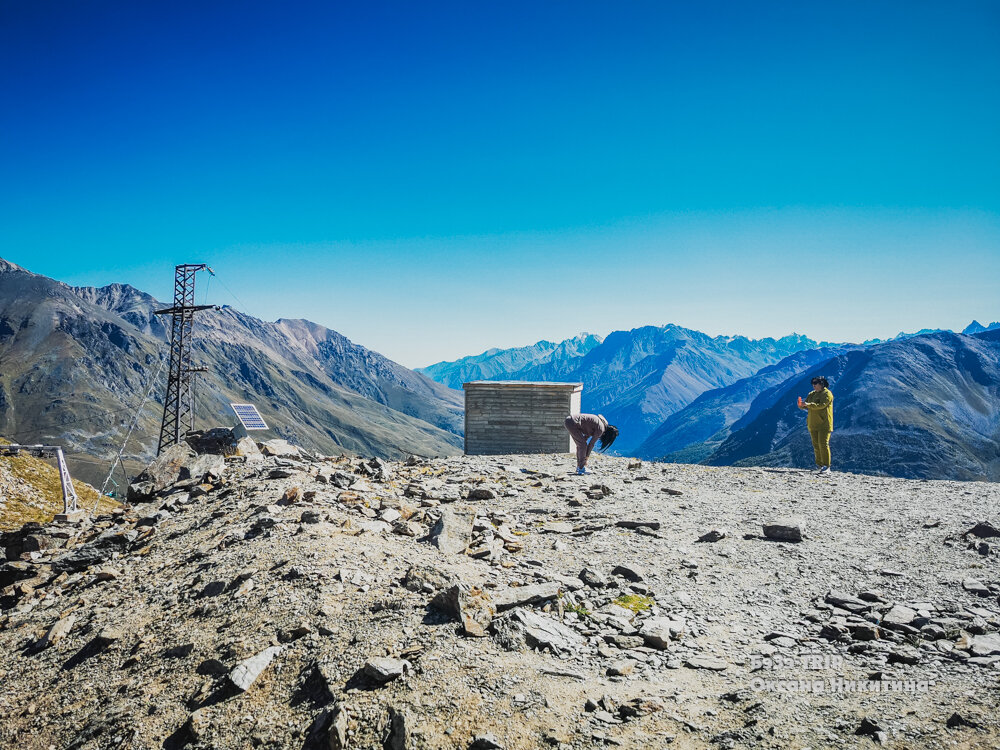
433	179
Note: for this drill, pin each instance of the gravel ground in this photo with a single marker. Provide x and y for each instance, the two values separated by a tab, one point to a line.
484	602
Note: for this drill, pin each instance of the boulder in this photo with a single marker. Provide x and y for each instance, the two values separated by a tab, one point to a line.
209	467
218	440
385	669
452	533
246	446
278	447
164	471
469	605
658	632
783	531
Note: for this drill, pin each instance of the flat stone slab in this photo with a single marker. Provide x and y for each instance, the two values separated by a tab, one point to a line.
517	596
658	632
246	672
386	669
453	532
705	662
541	632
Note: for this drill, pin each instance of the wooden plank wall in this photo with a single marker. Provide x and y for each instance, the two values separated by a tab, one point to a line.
518	419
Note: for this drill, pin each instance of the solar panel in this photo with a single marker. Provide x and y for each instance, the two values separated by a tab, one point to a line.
249	417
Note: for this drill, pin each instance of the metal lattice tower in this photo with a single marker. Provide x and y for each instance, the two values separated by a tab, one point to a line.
178	410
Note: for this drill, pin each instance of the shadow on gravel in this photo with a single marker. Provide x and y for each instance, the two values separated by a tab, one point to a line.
312	689
317	735
178	739
761	538
361	681
224	691
91	648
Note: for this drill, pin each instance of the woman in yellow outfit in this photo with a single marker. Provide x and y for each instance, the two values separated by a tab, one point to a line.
819	404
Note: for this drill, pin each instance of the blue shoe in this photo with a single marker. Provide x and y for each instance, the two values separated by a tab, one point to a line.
582	470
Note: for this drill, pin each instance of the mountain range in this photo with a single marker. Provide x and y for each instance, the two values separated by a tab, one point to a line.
918	405
635	378
75	361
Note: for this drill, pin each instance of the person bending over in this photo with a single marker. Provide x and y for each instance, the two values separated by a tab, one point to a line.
586	430
819	404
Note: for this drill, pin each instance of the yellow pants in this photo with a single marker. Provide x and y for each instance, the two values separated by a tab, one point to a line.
821	446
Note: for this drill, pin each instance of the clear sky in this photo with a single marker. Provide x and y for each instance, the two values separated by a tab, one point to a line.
433	179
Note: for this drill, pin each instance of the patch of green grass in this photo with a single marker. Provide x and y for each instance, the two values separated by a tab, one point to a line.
577	609
635	602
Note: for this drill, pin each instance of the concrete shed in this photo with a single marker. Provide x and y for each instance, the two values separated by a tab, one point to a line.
512	416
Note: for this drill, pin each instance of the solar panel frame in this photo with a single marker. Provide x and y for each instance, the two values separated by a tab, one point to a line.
249	417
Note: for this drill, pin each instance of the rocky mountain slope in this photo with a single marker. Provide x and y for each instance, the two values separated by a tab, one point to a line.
540	361
926	407
473	603
693	433
640	377
75	362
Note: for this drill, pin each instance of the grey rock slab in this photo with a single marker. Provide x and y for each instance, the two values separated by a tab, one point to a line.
975	586
423	579
705	662
541	632
846	601
278	447
469	604
621	668
385	669
453	532
985	645
481	493
83	558
374	527
712	536
627	524
339	724
557	527
399	733
984	530
517	596
59	630
246	672
899	615
208	467
165	470
658	632
593	578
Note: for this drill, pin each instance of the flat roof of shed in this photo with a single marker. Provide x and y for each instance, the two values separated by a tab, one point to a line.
521	384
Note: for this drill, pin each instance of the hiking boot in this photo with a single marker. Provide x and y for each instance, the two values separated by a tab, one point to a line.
824	470
582	470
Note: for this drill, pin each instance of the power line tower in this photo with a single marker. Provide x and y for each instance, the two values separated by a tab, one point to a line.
178	411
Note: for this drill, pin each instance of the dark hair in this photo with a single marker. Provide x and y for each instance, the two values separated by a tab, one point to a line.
608	437
821	380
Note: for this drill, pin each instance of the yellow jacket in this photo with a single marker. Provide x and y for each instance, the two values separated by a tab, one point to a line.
819	404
